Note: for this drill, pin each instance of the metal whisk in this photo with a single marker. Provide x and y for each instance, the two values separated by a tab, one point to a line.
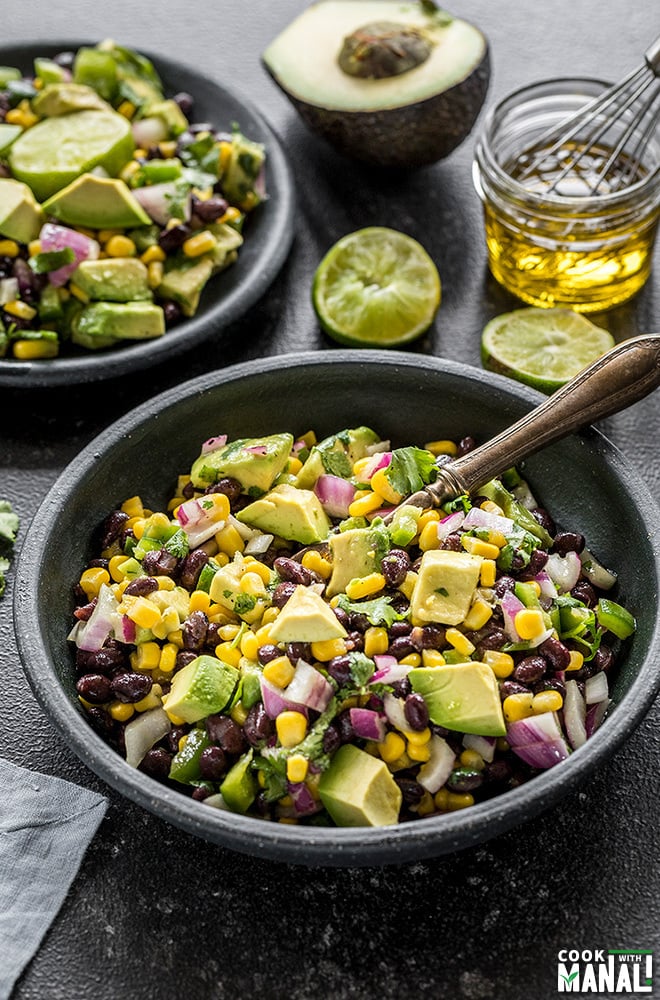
637	97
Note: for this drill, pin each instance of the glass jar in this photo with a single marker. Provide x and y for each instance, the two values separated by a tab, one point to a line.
564	247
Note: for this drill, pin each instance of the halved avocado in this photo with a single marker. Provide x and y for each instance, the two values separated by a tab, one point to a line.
389	83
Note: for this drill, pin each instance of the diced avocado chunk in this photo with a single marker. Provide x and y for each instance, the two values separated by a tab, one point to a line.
290	513
239	788
63	98
203	687
444	587
359	790
306	617
335	455
463	697
171	114
246	158
113	279
98	203
353	556
20	215
254	462
48	70
8	133
184	284
120	320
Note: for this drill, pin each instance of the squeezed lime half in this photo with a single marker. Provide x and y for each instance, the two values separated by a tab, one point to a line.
544	348
376	287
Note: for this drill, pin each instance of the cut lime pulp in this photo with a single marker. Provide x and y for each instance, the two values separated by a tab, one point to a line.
376	287
544	348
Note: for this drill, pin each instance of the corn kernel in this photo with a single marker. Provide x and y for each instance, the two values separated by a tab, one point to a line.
456	801
361	466
167	148
176	720
576	660
365	586
419	752
442	447
182	742
251	583
279	671
392	747
472	759
497	538
518	706
418	739
133	507
488	573
426	518
263	571
149	701
239	713
155	254
91	580
432	658
35	350
119	711
229	541
426	805
199	601
147	656
168	657
411	660
408	585
291	728
492	508
228	654
9	248
380	484
34	247
477	547
169	622
166	583
155	272
315	562
143	612
479	613
228	632
459	641
263	635
529	623
120	246
428	537
114	564
376	641
202	242
127	109
78	293
327	649
365	505
441	799
547	701
22	115
296	768
20	309
502	664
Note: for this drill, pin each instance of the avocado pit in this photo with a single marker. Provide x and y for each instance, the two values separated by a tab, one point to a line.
383	49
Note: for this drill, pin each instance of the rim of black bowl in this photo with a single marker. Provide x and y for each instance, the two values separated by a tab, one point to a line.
315	845
247	279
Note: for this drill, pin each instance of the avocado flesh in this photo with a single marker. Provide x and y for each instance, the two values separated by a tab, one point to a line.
410	119
204	686
463	697
359	790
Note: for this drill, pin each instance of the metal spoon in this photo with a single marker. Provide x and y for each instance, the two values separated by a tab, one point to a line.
622	376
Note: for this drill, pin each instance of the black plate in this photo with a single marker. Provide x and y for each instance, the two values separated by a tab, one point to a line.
584	481
228	295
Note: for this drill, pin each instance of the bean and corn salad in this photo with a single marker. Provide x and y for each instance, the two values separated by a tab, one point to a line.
116	205
393	671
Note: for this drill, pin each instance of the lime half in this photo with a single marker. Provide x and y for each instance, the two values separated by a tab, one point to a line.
543	347
376	287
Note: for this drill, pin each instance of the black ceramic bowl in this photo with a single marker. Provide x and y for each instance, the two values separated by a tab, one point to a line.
268	235
583	480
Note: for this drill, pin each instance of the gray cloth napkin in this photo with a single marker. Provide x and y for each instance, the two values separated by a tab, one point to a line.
46	825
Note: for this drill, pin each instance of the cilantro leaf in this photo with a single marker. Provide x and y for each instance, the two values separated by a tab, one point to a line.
410	469
244	603
8	524
4	566
378	611
178	544
337	463
362	668
379	539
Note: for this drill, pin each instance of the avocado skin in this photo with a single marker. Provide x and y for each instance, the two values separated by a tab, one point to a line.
414	135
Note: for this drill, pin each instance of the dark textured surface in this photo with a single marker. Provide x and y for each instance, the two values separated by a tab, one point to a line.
156	912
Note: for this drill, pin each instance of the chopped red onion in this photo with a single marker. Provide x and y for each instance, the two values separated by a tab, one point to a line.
564	571
389	670
367	724
304	802
214	443
335	495
393	708
478	518
198	523
256	449
309	687
379	460
510	607
103	621
575	711
148	132
484	745
142	732
258	544
548	588
595	572
596	689
8	290
54	237
594	717
275	702
538	740
157	200
433	774
448	525
128	629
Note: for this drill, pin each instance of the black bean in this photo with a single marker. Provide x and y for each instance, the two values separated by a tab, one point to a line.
103	723
174	737
354	642
345	726
190	568
400	628
282	593
185	102
537	561
331	739
464	779
493	639
358	622
416	712
258	727
213	635
411	791
172	313
341	616
497	771
427	637
131	687
503	584
200	793
299	651
226	733
465	445
25	278
156	763
142	586
583	591
512	687
6	266
212	763
339	668
94	688
400	647
453	542
230	487
211	209
268	652
545	519
394	566
568	541
183	658
401	688
100	660
292	571
171	239
530	669
603	658
188	491
84	613
194	631
551	684
112	527
555	653
159	562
